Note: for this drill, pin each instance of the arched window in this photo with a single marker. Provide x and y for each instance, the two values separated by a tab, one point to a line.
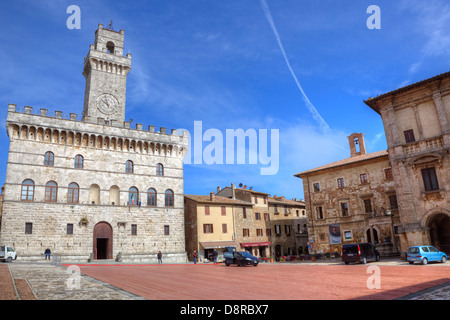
169	198
133	196
110	47
49	159
114	195
79	161
73	193
129	166
51	191
94	194
159	169
27	190
151	197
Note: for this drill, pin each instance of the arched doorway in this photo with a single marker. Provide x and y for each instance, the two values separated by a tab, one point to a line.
103	241
439	226
372	235
277	252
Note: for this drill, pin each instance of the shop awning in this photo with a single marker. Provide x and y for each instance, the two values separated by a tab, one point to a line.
218	244
255	244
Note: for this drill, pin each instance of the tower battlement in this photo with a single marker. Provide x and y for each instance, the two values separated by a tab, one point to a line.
26	125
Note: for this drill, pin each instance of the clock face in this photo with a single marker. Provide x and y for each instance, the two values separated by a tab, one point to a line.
107	103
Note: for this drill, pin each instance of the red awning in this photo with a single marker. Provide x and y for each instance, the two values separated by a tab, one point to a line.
255	244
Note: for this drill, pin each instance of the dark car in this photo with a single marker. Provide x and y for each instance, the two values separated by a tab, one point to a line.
359	252
241	258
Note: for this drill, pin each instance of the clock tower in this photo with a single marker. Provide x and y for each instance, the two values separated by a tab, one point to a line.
106	70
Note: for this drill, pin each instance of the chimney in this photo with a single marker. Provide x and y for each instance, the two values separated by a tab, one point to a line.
357	145
212	196
218	189
233	191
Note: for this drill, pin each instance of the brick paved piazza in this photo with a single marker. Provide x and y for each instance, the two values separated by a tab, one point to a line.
270	281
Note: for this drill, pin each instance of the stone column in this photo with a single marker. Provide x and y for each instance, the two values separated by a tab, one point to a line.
403	182
441	111
390	126
418	121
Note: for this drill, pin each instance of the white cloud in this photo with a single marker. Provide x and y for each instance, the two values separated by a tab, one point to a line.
415	67
431	20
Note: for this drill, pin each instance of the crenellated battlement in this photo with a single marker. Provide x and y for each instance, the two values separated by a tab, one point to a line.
97	133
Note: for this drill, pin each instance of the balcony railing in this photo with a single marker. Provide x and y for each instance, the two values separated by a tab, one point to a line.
423	146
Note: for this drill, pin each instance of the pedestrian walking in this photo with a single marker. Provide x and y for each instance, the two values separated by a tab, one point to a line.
47	253
215	254
195	256
159	257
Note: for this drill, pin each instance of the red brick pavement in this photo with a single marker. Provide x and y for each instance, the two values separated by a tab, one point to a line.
267	281
7	283
7	291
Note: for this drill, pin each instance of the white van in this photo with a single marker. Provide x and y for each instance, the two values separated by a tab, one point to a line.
7	254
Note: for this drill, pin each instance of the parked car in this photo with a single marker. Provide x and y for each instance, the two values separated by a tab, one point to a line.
359	252
241	258
7	254
425	254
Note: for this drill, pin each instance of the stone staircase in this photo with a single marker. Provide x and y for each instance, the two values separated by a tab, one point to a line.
387	249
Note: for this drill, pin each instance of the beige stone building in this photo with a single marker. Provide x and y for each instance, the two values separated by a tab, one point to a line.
416	120
288	225
1	207
211	224
252	228
96	188
275	228
352	200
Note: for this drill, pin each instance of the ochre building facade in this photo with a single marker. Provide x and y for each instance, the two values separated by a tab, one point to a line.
416	120
352	200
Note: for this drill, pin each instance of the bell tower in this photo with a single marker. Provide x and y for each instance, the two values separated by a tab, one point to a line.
106	70
357	145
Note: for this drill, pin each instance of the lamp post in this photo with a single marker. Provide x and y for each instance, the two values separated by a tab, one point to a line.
389	214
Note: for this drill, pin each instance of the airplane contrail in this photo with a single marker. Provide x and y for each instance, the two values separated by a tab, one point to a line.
309	105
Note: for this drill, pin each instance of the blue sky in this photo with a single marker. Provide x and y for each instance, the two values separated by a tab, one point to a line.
220	62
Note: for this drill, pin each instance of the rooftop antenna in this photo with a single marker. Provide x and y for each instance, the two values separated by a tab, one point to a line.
110	27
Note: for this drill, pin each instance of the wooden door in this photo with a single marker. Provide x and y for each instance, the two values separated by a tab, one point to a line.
103	240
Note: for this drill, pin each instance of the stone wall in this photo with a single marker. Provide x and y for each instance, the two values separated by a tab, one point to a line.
423	109
356	224
50	230
105	150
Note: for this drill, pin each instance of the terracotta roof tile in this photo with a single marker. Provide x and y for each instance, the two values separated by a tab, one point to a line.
346	161
286	201
371	102
217	200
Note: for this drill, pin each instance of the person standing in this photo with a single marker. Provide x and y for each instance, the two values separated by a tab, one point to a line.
159	257
47	253
195	256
